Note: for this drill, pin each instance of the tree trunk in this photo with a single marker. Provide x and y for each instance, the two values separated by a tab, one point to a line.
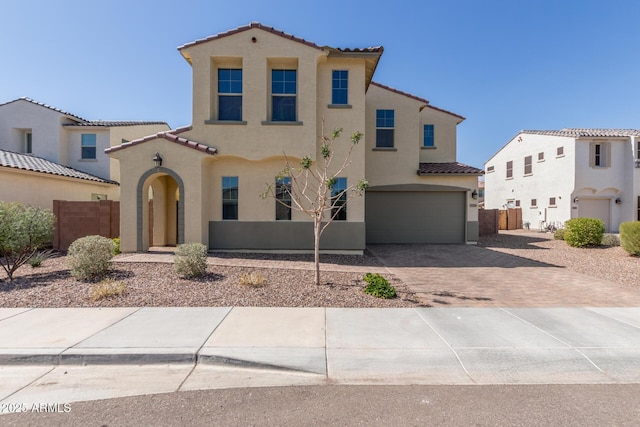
317	223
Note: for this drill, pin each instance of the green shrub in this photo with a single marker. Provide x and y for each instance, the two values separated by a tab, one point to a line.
610	240
23	230
90	257
191	260
581	232
116	241
559	234
630	237
39	257
378	286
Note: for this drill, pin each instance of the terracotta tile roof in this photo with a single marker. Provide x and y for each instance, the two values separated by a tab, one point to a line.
28	162
117	123
451	168
41	104
376	49
586	132
171	136
428	105
400	92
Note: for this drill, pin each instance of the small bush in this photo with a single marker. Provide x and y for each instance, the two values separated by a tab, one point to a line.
558	234
581	232
90	257
252	279
630	237
378	286
610	240
116	249
107	288
191	260
39	257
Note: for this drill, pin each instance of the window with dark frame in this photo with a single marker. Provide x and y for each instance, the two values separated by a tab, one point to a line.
534	203
88	146
552	201
284	89
510	169
340	87
385	123
490	169
339	199
600	155
230	94
283	199
528	168
540	156
229	197
560	151
429	136
517	203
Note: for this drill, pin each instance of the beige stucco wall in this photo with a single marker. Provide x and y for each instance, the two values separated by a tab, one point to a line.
445	136
39	189
186	163
129	133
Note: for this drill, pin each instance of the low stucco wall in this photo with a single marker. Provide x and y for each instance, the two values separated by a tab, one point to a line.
284	235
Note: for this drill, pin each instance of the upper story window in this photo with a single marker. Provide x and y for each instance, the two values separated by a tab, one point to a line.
560	151
283	199
229	197
638	150
283	95
28	143
340	87
428	139
230	94
510	169
528	168
552	202
385	123
339	199
534	203
490	169
541	156
88	146
600	155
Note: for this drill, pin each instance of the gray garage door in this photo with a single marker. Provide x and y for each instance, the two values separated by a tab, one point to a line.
415	216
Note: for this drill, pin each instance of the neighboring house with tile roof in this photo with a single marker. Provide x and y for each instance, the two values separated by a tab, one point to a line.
67	142
261	94
556	175
36	181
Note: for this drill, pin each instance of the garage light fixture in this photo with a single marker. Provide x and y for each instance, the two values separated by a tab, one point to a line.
474	195
618	201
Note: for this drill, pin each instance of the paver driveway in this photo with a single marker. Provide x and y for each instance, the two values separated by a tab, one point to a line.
465	275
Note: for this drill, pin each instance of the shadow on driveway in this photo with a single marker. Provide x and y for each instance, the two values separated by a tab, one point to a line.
448	256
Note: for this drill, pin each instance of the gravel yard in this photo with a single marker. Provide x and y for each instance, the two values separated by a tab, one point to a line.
156	284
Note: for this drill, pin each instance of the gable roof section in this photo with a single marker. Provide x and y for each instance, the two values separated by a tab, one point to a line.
42	104
417	98
586	132
31	163
376	49
450	168
171	136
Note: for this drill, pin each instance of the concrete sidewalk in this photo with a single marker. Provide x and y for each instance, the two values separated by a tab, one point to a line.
399	346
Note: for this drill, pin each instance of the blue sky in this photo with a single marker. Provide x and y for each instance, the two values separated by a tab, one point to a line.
505	65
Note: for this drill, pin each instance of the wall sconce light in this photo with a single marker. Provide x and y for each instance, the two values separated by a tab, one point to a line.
575	200
474	195
618	200
157	160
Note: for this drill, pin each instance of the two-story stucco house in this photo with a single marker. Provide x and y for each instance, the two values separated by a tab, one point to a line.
570	173
47	153
259	95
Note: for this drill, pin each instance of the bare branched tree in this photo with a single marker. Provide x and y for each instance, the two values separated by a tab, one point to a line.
311	187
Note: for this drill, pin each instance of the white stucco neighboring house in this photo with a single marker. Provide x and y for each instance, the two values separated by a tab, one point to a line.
47	153
556	175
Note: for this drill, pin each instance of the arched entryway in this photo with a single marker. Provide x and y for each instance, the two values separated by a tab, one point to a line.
160	209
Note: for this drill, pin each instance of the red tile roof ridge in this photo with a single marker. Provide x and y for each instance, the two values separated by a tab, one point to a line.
399	92
171	136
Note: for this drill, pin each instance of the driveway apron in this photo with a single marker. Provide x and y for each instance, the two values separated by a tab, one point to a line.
472	276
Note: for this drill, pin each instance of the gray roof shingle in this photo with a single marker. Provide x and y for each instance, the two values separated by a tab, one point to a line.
28	162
